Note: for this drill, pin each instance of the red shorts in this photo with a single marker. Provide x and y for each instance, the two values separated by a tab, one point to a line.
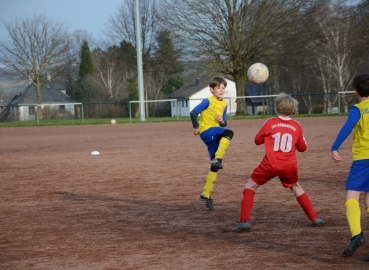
264	172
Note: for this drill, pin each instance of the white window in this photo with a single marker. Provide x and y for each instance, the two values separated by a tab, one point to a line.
31	110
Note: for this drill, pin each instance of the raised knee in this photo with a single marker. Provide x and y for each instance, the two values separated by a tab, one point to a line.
228	134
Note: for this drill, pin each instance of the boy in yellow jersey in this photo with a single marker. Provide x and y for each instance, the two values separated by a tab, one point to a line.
358	177
213	119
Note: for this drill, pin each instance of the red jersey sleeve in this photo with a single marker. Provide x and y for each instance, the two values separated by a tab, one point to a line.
259	137
301	145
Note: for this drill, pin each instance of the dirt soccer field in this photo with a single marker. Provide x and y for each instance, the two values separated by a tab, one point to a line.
136	206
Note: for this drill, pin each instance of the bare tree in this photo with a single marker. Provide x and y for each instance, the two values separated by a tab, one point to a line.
122	25
35	50
333	63
230	35
72	57
108	74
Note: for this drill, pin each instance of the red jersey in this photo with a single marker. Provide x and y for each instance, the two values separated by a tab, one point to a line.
281	137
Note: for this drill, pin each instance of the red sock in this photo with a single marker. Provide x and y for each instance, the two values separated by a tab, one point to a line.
307	206
246	204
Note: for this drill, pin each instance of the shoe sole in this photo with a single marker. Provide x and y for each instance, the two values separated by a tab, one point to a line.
240	230
236	229
318	224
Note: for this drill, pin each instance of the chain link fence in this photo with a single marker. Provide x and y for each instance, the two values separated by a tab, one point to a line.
312	103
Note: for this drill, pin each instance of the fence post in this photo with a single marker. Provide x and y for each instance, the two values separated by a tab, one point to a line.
83	114
130	116
38	122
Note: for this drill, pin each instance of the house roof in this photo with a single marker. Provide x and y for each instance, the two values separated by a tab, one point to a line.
50	93
191	88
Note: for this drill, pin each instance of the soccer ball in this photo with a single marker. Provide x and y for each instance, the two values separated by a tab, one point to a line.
258	73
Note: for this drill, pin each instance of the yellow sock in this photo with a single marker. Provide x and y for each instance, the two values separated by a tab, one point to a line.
209	184
223	145
353	216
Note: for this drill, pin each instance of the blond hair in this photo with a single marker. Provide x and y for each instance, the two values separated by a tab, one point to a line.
285	104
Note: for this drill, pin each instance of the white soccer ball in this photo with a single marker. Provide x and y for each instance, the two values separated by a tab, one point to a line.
257	73
95	153
113	121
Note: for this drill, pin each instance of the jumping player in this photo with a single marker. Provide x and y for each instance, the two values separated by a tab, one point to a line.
281	137
358	178
213	119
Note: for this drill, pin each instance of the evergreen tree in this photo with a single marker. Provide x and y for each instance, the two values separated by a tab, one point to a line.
166	61
166	56
86	70
128	56
86	67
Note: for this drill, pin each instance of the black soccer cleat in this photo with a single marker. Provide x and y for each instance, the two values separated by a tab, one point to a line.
355	243
208	202
242	226
215	162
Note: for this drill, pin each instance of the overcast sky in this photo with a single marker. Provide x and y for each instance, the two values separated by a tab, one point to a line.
89	15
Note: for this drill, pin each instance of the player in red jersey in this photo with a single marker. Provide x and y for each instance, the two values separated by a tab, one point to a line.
281	136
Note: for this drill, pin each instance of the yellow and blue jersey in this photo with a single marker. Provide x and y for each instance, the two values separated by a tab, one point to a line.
357	120
360	146
208	109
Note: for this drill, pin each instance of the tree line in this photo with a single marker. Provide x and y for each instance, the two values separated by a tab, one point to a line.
308	46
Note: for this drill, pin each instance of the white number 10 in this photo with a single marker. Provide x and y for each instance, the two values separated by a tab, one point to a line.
283	143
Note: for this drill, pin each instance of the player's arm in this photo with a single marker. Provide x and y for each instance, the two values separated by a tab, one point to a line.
223	121
195	112
301	143
259	137
195	122
353	117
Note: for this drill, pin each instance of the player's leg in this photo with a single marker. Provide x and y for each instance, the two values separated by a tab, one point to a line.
246	206
353	212
357	181
353	215
366	202
224	141
208	187
208	138
258	177
248	200
306	204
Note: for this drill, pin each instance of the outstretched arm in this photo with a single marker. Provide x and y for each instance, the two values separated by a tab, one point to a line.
195	112
353	117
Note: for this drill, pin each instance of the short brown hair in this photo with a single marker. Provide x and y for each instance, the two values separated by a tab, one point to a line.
216	81
361	84
285	104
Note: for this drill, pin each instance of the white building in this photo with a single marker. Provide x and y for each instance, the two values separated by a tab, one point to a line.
55	104
190	95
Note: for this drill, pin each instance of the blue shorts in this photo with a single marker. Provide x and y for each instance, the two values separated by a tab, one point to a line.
211	139
358	177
